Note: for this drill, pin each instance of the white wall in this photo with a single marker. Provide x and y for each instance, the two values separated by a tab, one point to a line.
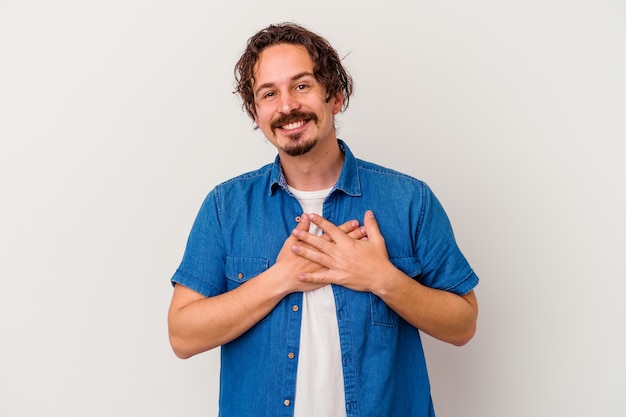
116	118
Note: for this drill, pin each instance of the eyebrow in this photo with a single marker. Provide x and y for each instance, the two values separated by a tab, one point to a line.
294	78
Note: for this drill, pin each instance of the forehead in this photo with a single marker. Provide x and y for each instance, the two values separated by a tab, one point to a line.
281	62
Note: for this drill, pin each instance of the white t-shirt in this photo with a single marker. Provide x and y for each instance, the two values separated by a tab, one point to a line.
319	381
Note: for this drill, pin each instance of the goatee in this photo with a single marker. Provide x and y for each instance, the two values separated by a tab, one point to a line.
299	148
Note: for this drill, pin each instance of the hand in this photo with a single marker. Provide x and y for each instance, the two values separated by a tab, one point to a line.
359	263
295	265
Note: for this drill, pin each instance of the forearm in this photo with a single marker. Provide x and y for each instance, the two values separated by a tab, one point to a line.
197	324
444	315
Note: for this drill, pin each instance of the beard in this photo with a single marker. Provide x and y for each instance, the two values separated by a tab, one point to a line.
296	145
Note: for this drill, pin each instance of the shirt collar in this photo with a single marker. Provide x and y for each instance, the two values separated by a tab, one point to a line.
348	181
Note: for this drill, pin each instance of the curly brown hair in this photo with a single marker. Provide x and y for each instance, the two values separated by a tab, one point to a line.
327	66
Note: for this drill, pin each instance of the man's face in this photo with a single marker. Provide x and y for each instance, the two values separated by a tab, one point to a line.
291	107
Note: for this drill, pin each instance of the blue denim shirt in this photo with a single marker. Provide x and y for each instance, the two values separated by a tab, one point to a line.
238	233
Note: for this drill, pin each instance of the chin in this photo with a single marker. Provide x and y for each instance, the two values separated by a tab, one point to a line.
299	148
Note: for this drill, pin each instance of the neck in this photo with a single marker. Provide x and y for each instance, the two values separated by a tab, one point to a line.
318	169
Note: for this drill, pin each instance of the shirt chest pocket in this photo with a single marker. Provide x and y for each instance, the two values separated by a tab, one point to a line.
239	270
382	315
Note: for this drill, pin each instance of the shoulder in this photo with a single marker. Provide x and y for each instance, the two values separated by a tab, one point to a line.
386	174
231	191
251	177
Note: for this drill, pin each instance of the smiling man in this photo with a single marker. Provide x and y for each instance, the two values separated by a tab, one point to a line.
317	313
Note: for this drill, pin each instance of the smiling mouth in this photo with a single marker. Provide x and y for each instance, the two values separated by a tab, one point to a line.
293	121
293	125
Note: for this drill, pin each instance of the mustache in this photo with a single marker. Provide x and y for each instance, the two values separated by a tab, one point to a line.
293	117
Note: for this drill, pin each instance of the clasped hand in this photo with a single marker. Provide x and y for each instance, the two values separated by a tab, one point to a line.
355	258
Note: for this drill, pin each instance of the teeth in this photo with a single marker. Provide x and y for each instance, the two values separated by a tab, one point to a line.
293	125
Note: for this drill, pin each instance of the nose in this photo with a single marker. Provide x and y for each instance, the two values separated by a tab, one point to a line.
288	103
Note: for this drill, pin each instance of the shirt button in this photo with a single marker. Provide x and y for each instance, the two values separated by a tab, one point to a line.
298	218
240	275
291	355
287	403
295	308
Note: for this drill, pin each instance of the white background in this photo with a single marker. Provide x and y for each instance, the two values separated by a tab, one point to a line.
116	119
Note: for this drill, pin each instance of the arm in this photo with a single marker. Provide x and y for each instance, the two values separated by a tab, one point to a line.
197	323
444	315
363	265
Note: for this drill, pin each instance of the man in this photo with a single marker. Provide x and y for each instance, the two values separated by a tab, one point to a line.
317	314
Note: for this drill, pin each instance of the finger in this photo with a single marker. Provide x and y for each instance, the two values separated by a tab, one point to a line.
304	223
334	232
310	240
320	277
371	226
351	228
358	233
310	253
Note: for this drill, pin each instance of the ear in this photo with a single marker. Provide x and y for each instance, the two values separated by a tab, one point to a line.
338	102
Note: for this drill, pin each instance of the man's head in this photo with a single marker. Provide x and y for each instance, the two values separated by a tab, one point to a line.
327	67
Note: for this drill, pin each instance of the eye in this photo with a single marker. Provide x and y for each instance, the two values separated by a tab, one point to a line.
268	95
302	87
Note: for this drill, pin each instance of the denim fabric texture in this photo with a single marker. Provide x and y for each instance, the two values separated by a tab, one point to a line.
238	234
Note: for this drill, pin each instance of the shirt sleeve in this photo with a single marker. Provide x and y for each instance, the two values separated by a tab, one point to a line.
202	265
443	264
